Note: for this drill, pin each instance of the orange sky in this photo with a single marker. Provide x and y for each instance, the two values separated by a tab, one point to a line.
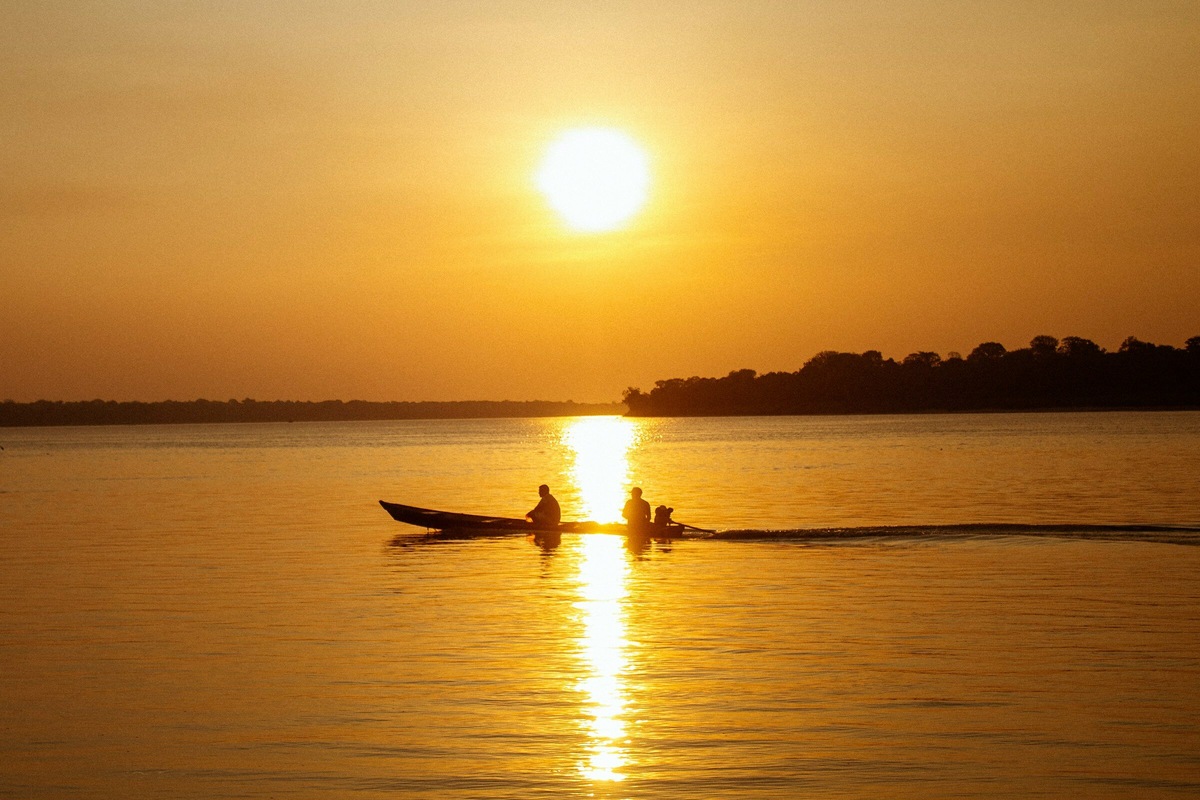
309	200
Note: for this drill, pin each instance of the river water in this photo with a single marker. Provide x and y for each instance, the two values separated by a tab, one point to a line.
892	606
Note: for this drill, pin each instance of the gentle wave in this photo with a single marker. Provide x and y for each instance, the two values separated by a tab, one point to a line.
1165	534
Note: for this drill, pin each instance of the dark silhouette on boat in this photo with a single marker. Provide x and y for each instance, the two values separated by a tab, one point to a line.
433	520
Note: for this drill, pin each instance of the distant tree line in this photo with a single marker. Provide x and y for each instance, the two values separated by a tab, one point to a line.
109	412
1049	374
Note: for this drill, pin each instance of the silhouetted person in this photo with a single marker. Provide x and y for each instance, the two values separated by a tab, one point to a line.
637	510
662	516
546	513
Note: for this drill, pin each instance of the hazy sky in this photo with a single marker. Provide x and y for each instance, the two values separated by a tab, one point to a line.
313	200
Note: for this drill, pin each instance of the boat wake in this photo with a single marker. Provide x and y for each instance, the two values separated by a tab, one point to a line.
1164	534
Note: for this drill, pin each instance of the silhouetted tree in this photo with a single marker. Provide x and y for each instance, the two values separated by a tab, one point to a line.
1076	347
1071	373
988	351
873	357
634	400
1134	345
923	358
1044	346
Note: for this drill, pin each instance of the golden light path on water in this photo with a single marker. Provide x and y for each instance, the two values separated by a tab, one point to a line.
602	589
600	446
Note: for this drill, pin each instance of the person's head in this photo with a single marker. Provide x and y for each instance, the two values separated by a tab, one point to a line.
543	490
636	492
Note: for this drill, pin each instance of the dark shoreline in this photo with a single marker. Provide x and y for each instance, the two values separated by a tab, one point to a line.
46	413
1073	374
587	409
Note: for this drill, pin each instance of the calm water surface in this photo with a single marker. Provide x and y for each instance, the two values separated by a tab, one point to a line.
225	611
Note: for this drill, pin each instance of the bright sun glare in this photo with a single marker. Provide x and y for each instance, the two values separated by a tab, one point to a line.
595	178
601	448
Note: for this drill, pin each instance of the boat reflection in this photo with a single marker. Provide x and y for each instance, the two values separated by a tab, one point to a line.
600	447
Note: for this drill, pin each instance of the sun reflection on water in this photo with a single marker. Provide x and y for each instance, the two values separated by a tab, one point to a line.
600	446
602	590
601	470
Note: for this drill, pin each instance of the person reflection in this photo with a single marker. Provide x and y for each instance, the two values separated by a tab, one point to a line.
547	540
637	544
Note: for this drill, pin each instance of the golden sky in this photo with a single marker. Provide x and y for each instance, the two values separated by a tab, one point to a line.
311	200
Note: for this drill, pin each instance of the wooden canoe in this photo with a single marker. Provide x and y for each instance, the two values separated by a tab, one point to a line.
447	520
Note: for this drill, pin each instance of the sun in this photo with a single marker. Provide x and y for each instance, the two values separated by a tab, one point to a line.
597	179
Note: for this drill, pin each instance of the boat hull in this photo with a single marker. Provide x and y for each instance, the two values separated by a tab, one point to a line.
433	520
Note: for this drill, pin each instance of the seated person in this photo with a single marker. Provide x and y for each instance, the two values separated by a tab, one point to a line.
637	510
662	516
546	514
